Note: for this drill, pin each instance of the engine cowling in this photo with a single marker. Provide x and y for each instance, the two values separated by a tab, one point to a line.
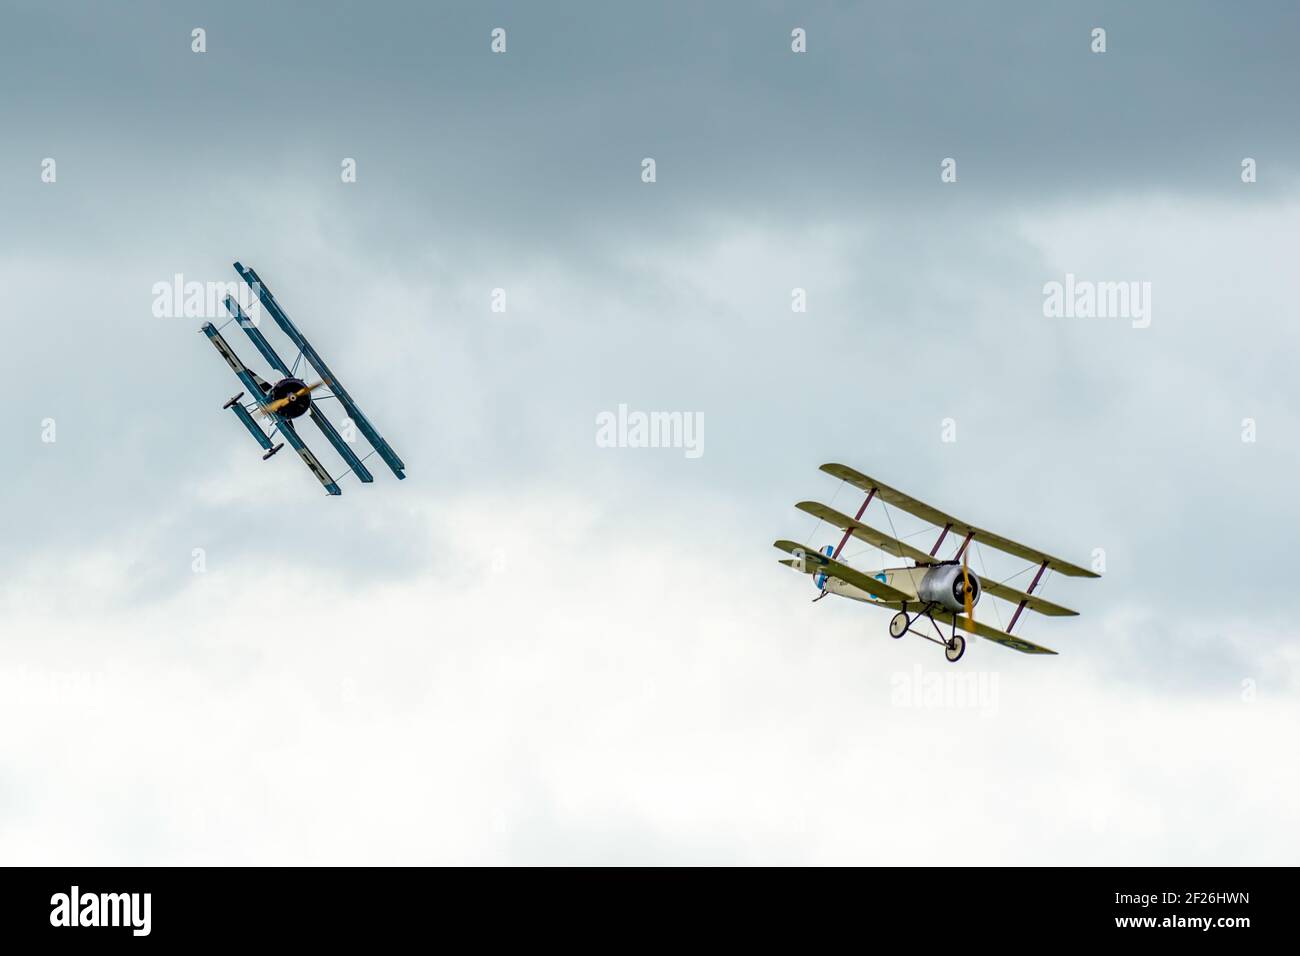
945	586
297	393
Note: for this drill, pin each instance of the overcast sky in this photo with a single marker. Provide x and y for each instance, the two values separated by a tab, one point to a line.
535	649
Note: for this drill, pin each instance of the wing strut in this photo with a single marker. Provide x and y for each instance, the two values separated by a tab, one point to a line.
1021	606
849	531
962	549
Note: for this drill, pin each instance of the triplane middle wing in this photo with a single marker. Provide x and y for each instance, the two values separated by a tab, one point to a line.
940	591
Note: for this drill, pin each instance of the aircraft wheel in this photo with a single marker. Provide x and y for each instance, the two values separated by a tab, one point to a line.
898	625
955	648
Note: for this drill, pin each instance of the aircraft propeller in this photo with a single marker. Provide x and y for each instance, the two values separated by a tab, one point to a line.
280	403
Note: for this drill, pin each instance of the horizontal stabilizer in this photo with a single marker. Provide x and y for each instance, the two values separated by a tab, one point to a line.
812	561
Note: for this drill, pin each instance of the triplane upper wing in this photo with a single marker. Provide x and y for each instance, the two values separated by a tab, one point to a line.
942	591
941	520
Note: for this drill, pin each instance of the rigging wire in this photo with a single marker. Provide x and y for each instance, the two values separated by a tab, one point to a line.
817	522
1022	571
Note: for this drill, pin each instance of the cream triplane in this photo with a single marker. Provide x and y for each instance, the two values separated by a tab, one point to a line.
940	591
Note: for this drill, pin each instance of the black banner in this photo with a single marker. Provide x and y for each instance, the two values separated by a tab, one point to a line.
1176	907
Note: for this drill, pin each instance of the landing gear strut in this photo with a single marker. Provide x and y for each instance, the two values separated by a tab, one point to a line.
901	623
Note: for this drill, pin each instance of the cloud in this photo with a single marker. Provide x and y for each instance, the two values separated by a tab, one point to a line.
592	692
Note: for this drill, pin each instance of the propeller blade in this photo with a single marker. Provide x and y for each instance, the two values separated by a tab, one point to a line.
279	403
965	583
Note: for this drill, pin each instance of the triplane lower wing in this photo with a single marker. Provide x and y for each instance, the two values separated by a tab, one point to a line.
941	591
290	397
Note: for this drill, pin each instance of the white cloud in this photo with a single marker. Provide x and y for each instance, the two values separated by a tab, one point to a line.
598	693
